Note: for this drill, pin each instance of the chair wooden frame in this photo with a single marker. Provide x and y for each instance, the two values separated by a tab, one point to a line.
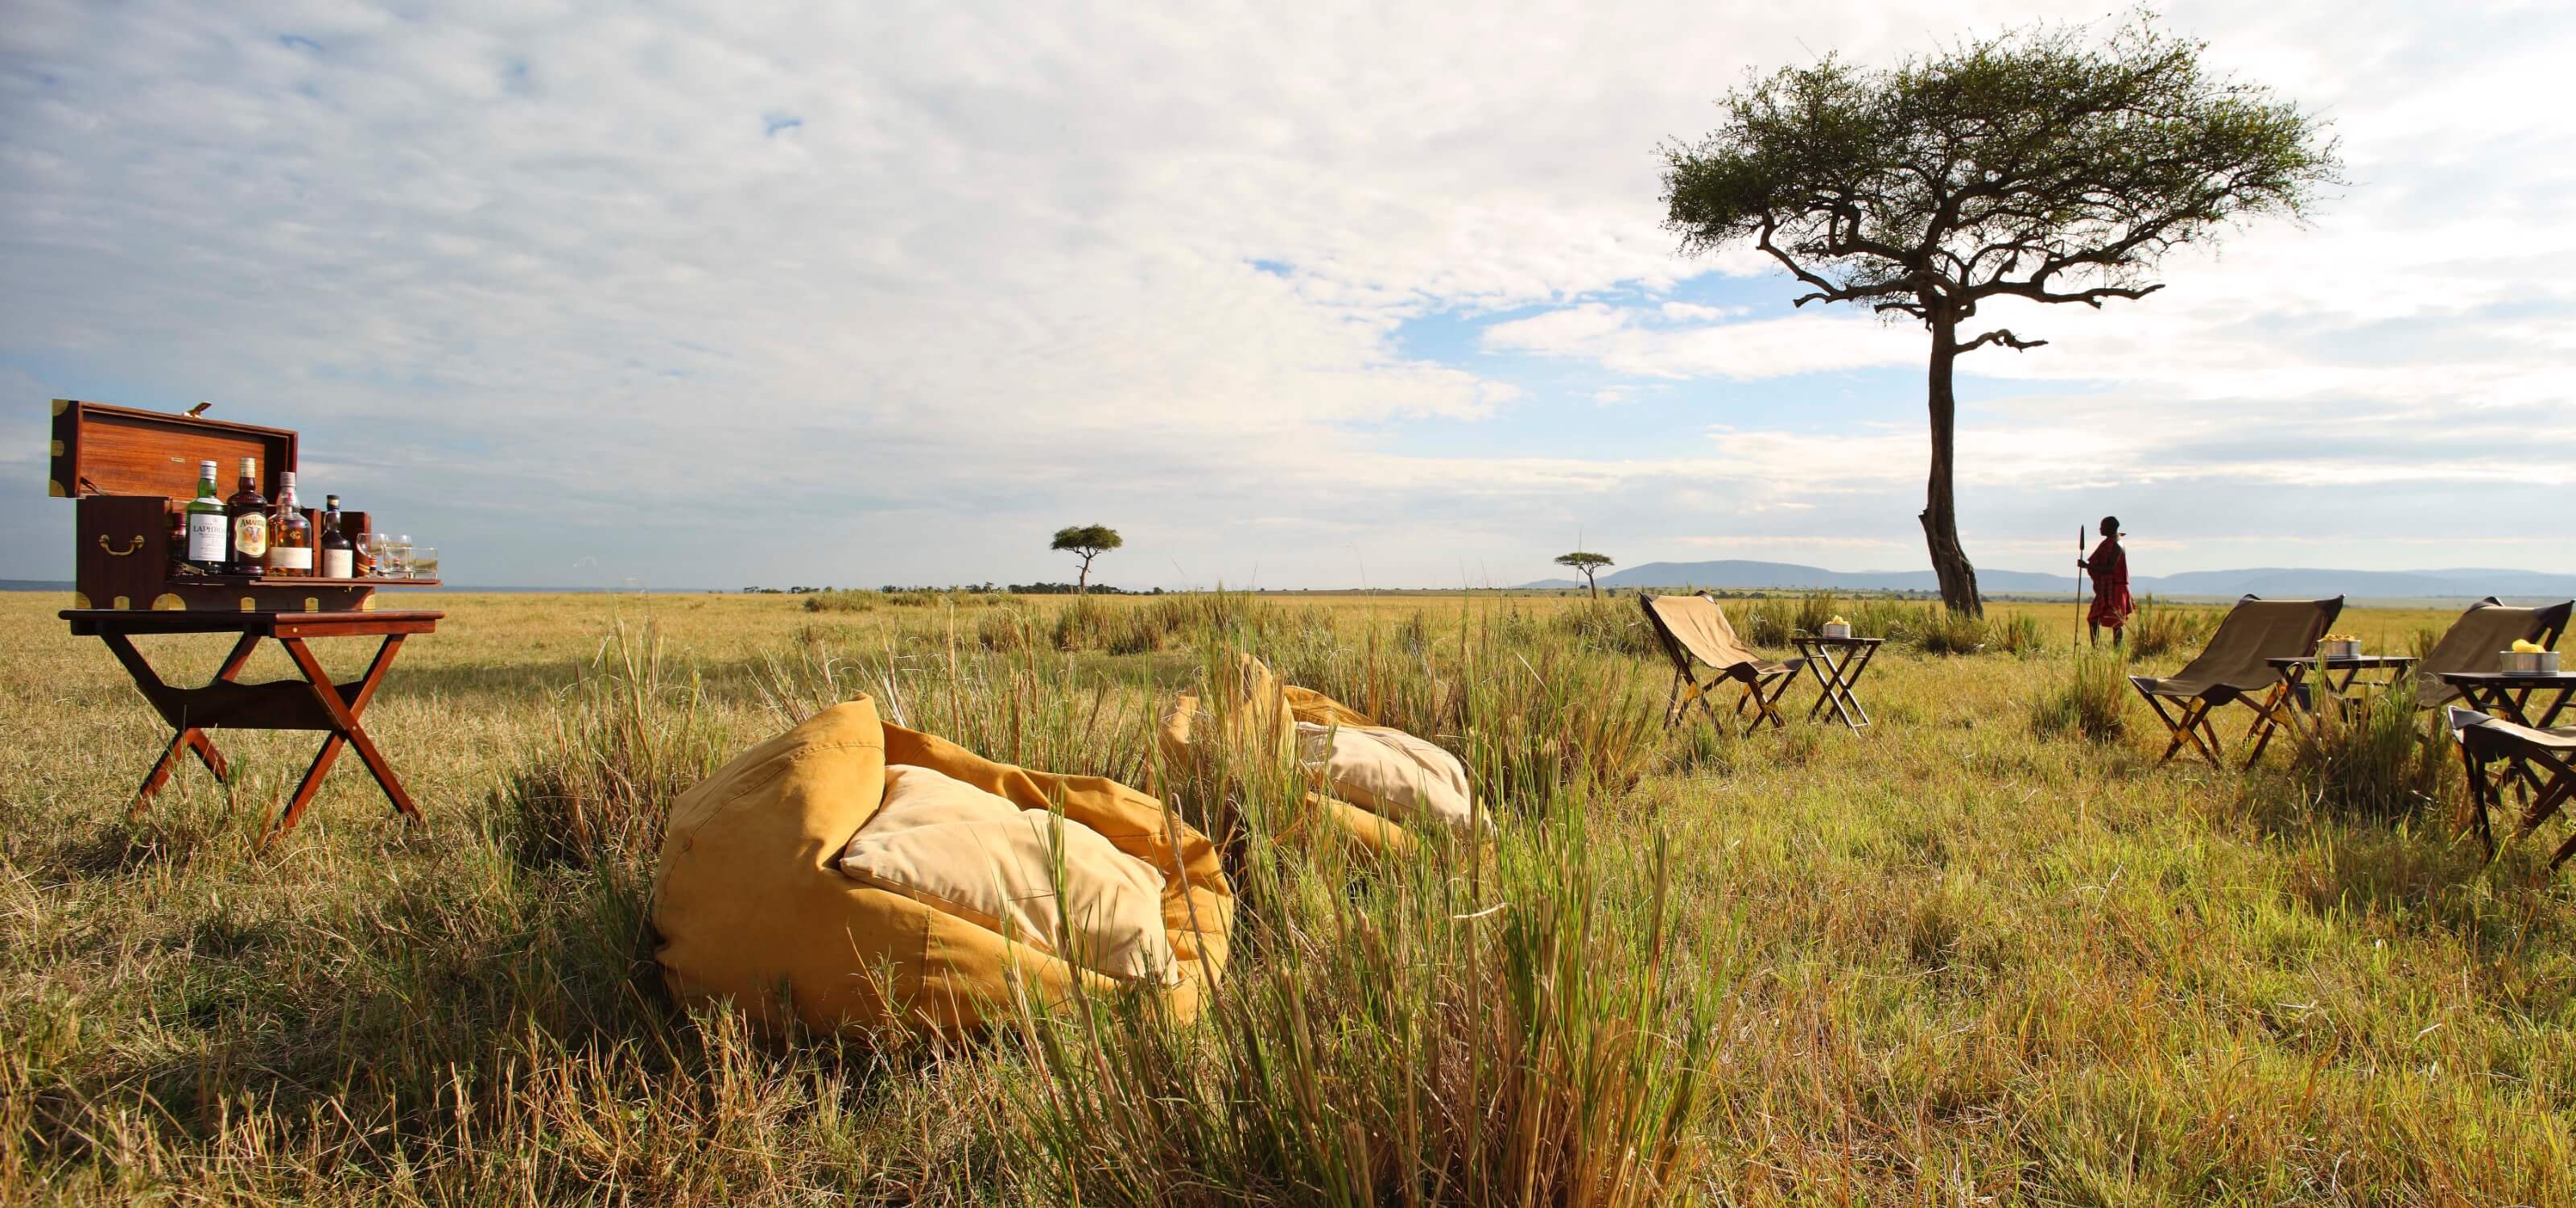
2549	769
2267	692
1763	683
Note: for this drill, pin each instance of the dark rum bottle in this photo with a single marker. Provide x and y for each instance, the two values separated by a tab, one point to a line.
247	512
290	535
339	554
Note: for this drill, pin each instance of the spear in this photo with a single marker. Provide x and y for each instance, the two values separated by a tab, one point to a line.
2079	586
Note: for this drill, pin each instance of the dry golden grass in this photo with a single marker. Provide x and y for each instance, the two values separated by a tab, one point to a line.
1952	960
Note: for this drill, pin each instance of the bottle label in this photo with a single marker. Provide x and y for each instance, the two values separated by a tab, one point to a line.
290	557
250	535
338	564
205	537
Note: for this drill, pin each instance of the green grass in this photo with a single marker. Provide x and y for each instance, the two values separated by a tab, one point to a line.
1969	957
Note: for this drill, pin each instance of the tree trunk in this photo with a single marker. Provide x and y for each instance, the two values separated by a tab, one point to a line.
1595	587
1082	582
1940	512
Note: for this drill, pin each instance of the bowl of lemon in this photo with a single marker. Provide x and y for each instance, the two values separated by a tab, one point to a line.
2529	658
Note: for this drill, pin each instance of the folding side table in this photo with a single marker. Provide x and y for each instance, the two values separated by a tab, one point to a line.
1837	675
2298	696
312	703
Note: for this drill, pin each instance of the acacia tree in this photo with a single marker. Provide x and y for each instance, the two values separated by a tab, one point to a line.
1589	565
1086	541
2037	165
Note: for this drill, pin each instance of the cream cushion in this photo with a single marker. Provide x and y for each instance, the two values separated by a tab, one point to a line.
973	854
1388	772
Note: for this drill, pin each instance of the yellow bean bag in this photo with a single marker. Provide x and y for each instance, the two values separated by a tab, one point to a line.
775	891
1377	784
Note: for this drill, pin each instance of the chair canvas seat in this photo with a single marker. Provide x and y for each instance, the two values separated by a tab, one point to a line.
2236	668
1695	629
2472	642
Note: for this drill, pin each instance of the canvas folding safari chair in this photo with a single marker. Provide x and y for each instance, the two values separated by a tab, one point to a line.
2544	759
1695	627
2472	642
2233	669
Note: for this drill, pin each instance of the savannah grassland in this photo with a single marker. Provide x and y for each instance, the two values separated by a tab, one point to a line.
1954	961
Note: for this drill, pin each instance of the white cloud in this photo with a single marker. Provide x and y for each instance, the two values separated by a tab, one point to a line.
1622	340
506	261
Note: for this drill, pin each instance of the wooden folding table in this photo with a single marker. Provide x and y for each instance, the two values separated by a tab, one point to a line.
312	703
1837	677
2533	699
2295	697
2511	694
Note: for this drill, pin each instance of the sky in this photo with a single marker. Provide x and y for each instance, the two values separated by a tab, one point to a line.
1314	295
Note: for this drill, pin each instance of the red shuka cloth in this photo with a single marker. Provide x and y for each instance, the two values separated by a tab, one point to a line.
2109	567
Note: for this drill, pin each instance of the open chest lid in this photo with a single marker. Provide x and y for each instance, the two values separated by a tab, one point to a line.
103	449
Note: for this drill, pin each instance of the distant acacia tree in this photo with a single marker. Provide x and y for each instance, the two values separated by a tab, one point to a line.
2036	164
1087	541
1588	565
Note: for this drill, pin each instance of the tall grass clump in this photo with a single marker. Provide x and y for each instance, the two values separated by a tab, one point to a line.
1605	626
2376	757
2018	633
2158	629
843	600
1942	631
629	735
1529	718
1509	1031
1130	627
2086	702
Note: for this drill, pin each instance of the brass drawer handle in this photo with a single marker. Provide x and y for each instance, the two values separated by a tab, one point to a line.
114	552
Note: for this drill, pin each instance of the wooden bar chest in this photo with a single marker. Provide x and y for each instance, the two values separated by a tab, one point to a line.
131	473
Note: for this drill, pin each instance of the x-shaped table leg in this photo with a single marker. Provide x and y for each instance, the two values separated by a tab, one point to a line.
1837	680
343	711
165	701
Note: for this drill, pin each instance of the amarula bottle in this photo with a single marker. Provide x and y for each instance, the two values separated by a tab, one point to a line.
339	554
206	526
247	511
290	535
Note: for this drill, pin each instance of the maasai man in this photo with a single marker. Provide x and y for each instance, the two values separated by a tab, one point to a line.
2109	567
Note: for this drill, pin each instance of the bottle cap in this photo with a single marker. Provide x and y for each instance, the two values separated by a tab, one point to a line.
286	478
332	500
206	468
250	466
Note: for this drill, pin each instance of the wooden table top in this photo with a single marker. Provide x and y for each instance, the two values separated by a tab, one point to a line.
92	621
2509	679
1822	640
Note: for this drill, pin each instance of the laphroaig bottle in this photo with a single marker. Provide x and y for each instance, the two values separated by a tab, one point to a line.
339	554
207	530
247	511
290	535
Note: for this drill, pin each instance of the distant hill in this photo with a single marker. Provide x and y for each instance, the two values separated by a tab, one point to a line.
1741	573
2275	582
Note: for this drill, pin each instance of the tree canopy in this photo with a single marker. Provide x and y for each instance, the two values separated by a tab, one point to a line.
2039	164
1589	564
1086	541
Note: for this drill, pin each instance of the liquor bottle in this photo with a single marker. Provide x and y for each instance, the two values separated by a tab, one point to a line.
247	511
339	554
290	535
206	524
